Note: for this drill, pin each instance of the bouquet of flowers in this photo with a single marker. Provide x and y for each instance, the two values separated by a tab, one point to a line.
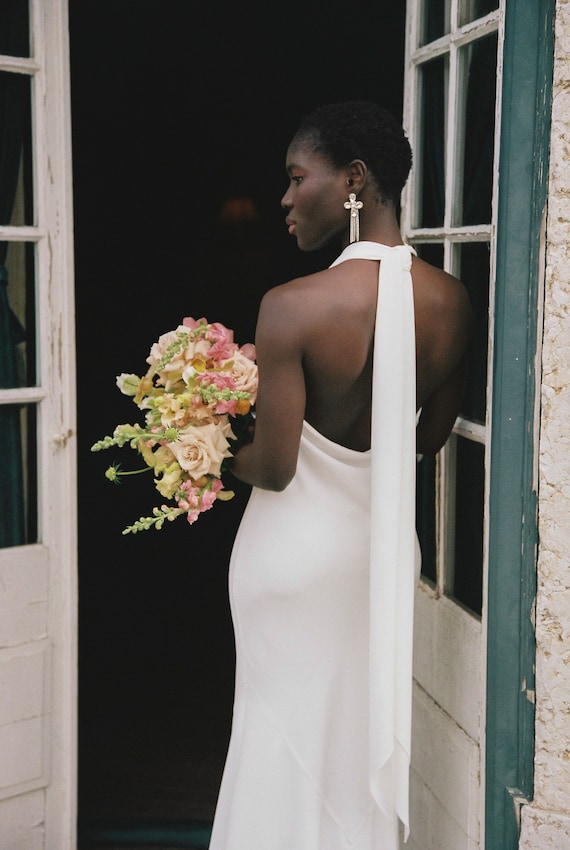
200	385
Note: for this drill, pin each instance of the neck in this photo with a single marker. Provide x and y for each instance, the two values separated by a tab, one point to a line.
378	223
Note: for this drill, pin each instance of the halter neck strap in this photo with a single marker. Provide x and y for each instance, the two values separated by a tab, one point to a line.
393	536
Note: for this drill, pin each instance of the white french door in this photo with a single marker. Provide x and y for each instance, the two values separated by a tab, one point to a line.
451	109
38	594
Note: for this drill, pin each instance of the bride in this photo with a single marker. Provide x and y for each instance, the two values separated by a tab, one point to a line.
361	366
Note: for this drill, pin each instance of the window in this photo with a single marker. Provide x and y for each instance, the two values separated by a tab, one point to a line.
18	372
449	216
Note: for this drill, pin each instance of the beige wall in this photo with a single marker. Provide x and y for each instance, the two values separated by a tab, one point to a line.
546	822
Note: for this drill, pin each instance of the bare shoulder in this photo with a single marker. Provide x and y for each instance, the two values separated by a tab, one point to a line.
435	289
442	304
288	307
297	289
444	324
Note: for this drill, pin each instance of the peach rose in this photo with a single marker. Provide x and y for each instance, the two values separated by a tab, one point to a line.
200	449
244	373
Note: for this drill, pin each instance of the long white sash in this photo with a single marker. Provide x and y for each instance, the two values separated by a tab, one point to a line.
393	534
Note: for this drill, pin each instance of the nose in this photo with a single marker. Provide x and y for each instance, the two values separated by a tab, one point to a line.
286	201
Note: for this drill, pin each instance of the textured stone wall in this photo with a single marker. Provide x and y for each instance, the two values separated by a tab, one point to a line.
546	822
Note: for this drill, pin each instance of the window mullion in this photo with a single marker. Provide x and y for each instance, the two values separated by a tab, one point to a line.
430	51
469	233
21	234
410	110
445	516
495	207
22	395
18	65
451	134
454	15
476	29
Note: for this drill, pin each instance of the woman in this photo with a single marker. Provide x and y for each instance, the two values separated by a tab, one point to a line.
325	562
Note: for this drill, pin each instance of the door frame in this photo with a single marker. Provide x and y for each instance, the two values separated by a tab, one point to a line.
42	591
513	535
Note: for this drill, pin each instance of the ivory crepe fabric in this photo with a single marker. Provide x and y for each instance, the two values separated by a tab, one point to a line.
322	606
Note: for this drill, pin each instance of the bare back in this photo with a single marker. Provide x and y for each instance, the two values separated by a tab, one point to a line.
315	340
337	308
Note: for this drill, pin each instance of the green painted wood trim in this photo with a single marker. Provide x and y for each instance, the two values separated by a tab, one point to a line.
524	149
144	832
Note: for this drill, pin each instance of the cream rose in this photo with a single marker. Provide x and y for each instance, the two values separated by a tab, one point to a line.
200	449
182	358
244	373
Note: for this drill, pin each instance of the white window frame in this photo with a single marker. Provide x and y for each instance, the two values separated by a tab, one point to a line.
450	235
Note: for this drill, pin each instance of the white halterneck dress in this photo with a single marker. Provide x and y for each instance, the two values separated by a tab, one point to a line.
322	580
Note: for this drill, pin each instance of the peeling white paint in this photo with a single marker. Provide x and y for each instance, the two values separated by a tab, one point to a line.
60	440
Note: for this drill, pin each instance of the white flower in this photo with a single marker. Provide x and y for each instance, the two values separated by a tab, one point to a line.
128	384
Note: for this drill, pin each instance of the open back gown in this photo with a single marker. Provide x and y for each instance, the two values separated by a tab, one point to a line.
322	606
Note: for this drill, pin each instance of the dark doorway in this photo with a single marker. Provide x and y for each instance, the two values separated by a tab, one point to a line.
178	108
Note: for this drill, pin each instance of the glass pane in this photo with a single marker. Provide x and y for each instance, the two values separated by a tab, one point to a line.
478	80
431	191
17	316
471	10
16	195
425	515
431	252
435	17
474	261
18	506
14	30
467	585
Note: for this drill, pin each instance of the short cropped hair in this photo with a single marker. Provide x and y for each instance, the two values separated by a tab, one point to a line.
358	129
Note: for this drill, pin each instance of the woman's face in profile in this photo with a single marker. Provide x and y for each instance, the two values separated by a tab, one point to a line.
314	199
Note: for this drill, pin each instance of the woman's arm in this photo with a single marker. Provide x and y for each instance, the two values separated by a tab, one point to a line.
270	460
444	327
439	412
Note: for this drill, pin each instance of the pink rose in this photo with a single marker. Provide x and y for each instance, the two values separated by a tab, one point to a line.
191	323
221	380
248	350
229	406
220	339
222	349
219	333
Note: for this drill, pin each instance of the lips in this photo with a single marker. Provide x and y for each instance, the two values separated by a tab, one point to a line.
290	225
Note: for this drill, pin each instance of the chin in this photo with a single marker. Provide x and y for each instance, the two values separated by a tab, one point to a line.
308	247
302	246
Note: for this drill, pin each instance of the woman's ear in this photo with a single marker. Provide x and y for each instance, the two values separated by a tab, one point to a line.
356	176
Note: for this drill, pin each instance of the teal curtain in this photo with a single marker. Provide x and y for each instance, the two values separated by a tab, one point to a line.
14	96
